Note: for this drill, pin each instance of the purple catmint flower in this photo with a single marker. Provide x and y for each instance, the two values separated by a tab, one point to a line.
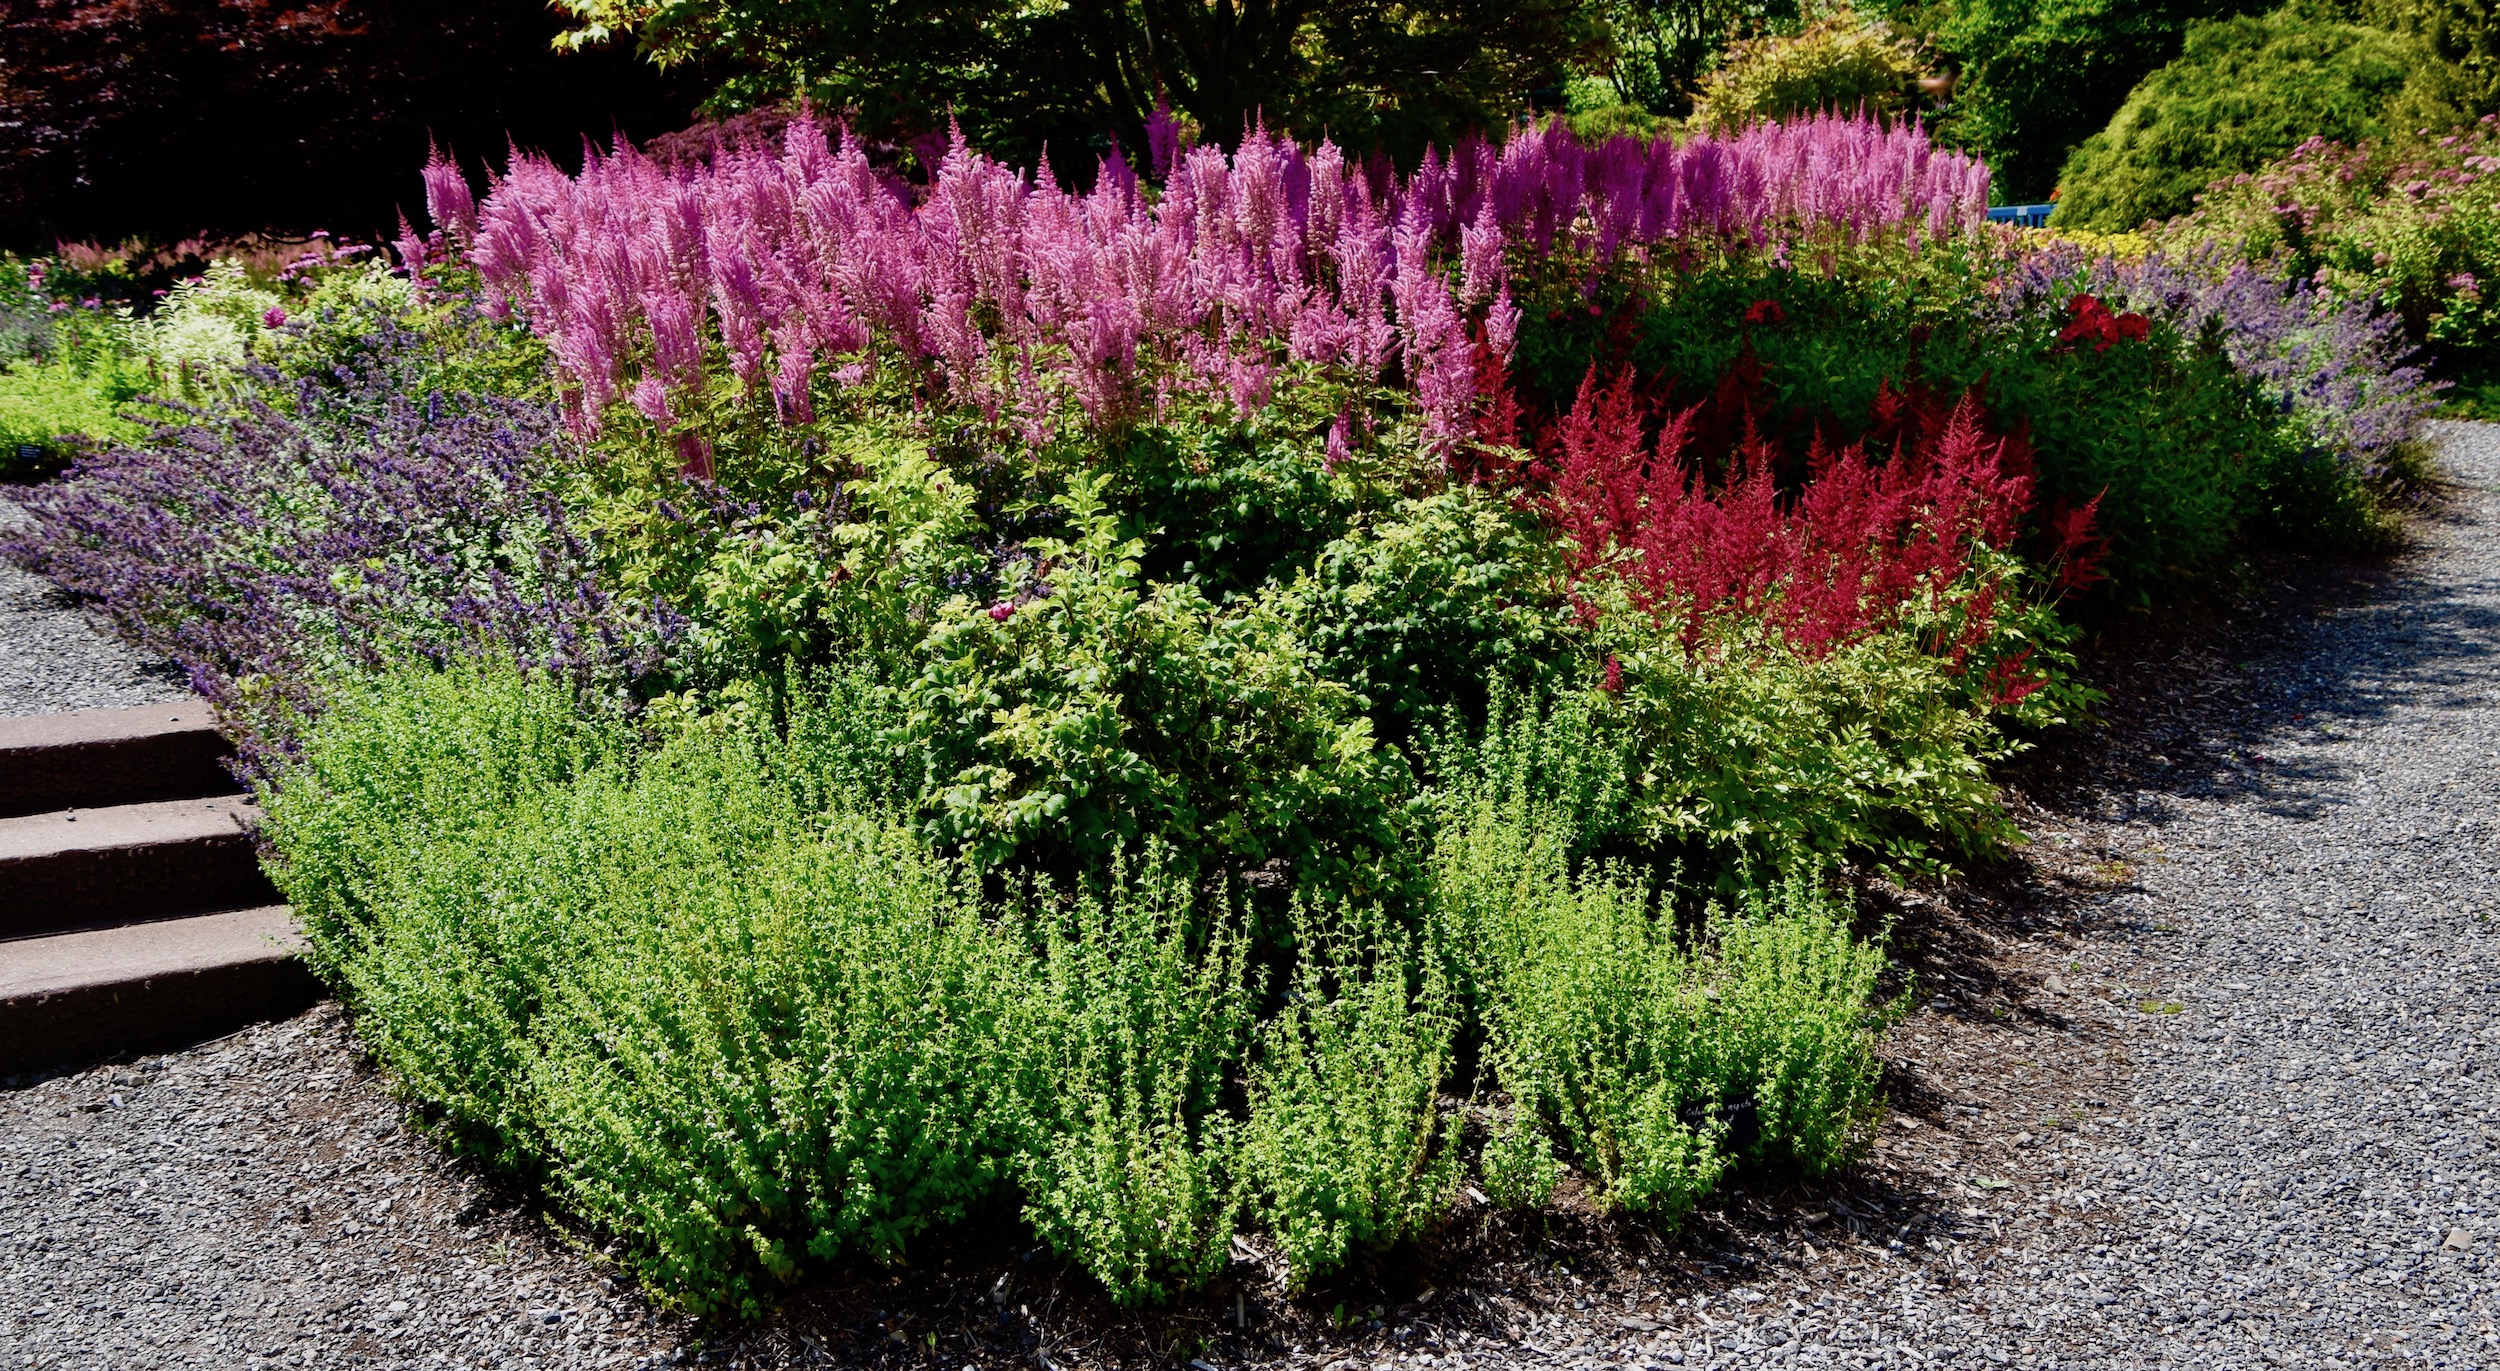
259	546
2342	371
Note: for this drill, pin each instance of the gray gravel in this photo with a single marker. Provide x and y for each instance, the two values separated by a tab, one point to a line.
258	1201
55	657
2311	1181
2278	1151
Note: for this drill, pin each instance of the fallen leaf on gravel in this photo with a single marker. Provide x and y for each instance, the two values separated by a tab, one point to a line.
1990	1182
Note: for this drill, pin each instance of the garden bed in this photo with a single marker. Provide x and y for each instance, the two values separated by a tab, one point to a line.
823	710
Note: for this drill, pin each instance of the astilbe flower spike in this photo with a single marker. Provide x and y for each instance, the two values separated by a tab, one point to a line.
998	290
1860	543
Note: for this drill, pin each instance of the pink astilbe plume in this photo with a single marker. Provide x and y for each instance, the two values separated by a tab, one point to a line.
799	264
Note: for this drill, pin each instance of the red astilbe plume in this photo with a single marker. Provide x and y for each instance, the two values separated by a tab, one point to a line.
1860	544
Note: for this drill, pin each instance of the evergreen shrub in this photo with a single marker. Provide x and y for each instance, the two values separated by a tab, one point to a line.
2242	92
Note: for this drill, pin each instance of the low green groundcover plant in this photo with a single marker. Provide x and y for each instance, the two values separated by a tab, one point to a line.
731	1011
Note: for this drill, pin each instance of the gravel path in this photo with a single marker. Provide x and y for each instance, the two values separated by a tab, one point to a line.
2312	1180
54	657
2240	1115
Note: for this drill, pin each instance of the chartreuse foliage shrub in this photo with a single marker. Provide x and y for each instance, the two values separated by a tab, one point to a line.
1139	1014
2241	93
1656	1051
1347	1145
1842	62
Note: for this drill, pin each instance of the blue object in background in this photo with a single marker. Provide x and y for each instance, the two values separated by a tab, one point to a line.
2021	216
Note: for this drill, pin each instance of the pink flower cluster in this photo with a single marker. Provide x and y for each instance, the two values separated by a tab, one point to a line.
1005	292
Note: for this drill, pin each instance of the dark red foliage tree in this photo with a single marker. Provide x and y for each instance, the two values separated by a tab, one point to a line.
165	118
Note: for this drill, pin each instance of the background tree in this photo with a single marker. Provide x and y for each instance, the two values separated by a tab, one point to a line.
1664	46
1073	75
2040	76
175	117
1842	62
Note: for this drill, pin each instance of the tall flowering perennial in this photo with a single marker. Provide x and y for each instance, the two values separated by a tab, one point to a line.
305	529
1859	544
1007	293
2340	369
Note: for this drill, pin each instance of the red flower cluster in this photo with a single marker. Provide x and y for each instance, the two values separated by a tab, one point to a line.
2090	321
1840	558
1766	312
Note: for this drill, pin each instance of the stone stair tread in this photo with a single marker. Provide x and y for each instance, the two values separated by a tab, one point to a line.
140	825
31	967
85	868
79	728
101	757
67	999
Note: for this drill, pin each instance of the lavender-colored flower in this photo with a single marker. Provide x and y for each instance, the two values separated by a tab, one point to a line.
2343	371
338	523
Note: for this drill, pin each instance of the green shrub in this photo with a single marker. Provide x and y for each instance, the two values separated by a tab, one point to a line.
1428	606
1589	1010
1662	47
1139	1015
2242	92
2465	32
729	1028
2040	76
780	1036
1878	748
1110	711
1642	1049
1229	507
1841	63
728	1013
1345	1146
401	853
1793	1025
203	329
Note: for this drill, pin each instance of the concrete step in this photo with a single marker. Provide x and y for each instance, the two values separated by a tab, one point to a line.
75	997
99	757
83	867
